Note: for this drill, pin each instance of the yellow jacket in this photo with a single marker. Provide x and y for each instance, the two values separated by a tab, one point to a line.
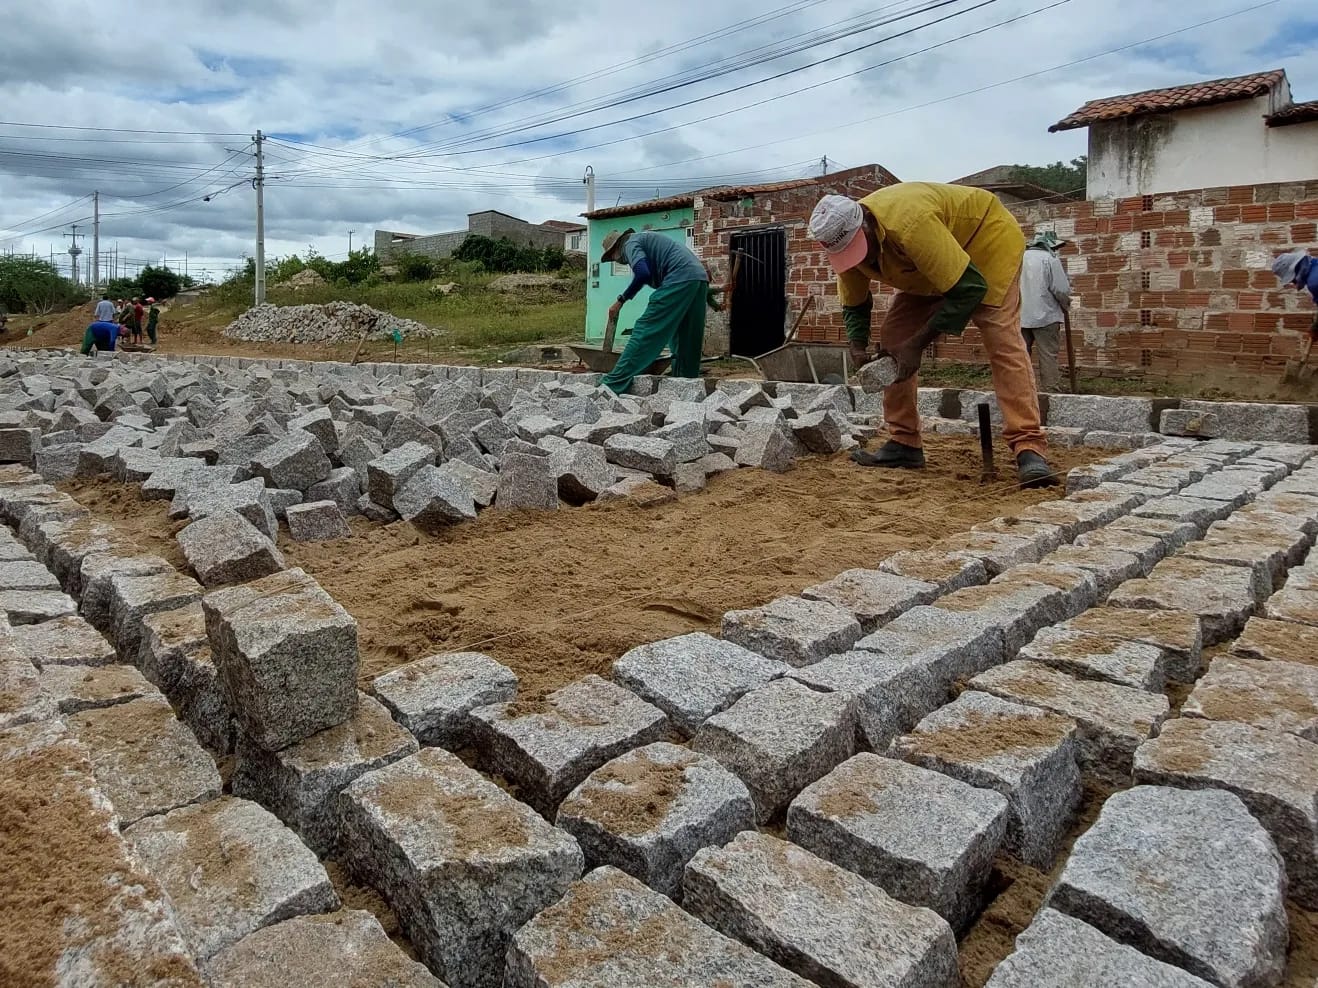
929	233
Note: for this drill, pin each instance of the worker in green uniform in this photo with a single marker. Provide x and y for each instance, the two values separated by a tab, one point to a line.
152	320
675	314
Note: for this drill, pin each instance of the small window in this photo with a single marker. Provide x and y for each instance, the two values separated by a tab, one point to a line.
576	242
620	270
1146	317
1146	202
1146	238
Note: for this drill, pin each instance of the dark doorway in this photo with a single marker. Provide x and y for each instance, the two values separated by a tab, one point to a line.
759	304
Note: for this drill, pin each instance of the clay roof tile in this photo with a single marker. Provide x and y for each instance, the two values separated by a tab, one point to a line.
1175	98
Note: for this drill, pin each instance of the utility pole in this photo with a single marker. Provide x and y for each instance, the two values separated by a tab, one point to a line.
259	184
350	233
96	243
74	251
824	163
589	183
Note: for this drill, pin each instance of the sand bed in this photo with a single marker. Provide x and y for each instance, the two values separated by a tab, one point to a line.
557	595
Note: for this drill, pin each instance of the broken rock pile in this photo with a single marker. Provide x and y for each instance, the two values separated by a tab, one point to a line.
333	322
237	446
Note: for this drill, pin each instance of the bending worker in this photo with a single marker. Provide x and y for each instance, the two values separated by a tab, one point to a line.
954	255
1299	269
1045	299
675	314
102	334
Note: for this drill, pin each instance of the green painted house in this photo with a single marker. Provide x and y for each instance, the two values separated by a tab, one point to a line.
673	217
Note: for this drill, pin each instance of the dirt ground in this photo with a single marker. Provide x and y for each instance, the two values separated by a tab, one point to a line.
557	595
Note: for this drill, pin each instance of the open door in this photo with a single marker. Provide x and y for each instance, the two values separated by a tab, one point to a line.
759	303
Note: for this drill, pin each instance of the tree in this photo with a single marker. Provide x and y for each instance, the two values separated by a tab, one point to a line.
414	267
503	255
1057	177
31	284
158	282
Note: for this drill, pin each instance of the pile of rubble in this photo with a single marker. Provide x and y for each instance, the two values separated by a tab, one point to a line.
333	322
306	278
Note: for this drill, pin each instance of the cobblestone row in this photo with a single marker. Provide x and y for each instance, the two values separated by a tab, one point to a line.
897	729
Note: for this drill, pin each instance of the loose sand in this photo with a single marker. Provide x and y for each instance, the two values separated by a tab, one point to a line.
557	595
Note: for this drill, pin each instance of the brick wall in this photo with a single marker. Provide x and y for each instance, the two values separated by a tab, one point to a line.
808	272
1165	286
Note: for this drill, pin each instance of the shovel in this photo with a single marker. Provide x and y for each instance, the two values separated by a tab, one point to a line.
1296	372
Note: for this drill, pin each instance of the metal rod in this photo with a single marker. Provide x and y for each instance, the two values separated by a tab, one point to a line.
1070	353
986	441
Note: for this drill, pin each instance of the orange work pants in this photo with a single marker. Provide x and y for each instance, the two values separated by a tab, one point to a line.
1013	375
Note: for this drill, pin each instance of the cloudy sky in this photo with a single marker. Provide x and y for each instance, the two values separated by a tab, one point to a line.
408	115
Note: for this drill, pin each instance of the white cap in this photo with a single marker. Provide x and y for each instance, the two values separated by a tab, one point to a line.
837	224
1287	265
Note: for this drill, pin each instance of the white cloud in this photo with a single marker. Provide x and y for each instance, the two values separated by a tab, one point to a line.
347	77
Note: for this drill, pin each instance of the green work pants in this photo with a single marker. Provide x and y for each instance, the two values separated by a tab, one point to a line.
674	318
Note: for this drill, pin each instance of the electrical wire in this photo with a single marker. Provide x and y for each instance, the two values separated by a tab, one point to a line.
118	130
725	67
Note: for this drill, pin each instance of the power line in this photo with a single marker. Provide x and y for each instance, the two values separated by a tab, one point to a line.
722	67
118	130
49	212
954	96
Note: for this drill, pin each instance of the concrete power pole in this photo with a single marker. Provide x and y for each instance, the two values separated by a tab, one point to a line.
350	233
589	182
259	184
96	243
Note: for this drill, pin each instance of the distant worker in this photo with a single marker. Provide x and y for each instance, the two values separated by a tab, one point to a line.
1299	269
104	311
136	322
102	334
954	255
675	315
1045	299
152	320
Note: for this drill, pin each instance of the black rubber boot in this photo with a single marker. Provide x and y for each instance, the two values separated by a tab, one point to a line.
1034	470
891	454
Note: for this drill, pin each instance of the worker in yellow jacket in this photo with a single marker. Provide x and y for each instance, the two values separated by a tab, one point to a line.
954	255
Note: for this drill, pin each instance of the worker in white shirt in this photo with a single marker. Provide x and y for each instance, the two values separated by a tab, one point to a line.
1045	299
104	310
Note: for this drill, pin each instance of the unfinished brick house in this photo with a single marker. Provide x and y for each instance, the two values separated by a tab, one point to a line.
766	224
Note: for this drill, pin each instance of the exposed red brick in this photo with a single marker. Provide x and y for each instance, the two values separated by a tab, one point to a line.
1254	214
1281	212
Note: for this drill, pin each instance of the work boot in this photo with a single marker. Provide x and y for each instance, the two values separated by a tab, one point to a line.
891	454
860	356
1034	470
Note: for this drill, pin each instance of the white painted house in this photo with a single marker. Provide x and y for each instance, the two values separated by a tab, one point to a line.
574	234
1239	131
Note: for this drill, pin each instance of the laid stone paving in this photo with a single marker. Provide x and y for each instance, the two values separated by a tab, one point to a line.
814	918
822	794
1189	878
649	811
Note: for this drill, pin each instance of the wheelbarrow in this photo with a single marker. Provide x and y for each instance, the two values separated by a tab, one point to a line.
601	359
818	363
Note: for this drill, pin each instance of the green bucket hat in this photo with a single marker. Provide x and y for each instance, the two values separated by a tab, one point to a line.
1046	239
612	242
